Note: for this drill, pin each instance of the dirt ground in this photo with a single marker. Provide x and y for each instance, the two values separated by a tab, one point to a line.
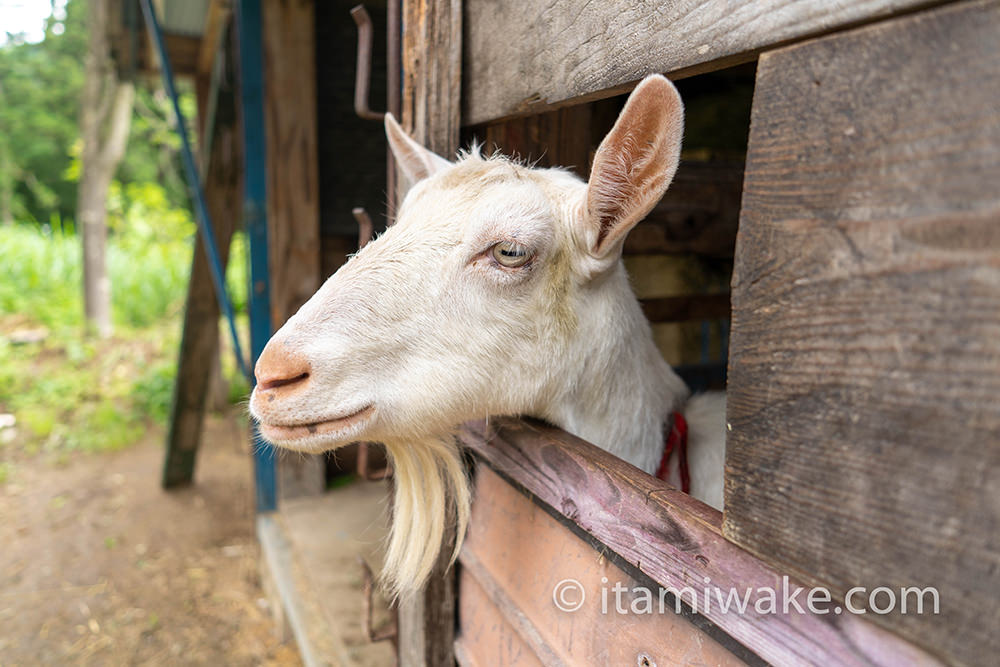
100	566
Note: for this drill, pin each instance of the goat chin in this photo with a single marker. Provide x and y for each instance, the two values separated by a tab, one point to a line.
431	496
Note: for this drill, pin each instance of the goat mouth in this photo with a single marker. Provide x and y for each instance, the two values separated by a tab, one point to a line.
280	433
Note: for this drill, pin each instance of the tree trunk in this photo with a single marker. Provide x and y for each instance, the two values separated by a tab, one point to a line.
105	116
7	168
6	190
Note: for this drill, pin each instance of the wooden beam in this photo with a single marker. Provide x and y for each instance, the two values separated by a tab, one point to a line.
182	49
865	352
200	339
654	532
432	72
292	188
523	57
215	23
432	66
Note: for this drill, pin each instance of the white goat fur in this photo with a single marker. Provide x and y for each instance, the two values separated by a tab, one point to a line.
424	325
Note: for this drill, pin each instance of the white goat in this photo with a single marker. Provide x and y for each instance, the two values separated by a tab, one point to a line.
499	291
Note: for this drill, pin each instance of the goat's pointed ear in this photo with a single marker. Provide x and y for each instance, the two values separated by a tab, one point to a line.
416	161
633	165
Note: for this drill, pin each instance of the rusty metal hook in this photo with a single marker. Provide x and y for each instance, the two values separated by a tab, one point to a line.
365	231
365	226
387	633
363	73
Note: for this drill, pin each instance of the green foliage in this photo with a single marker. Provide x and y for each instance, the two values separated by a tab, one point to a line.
71	393
153	391
237	272
64	400
68	392
40	89
41	276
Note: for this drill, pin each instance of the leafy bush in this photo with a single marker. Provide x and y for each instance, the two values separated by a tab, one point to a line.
41	277
153	391
69	392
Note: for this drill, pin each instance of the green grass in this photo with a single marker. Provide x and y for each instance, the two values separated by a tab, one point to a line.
71	392
41	277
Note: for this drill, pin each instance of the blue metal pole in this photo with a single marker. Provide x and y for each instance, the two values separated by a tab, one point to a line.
194	182
249	22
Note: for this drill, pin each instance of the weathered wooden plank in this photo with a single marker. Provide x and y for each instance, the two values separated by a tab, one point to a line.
560	138
182	49
199	348
313	577
486	636
292	191
653	530
865	356
292	188
523	57
432	72
432	66
215	20
507	532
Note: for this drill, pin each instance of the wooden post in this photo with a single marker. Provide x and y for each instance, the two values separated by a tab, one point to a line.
292	188
200	339
432	76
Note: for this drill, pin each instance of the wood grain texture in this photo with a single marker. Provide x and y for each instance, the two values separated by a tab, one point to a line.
522	56
292	188
864	378
431	76
653	530
561	138
432	73
327	576
486	636
509	531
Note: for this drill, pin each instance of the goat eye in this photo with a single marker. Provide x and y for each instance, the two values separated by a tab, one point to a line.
511	254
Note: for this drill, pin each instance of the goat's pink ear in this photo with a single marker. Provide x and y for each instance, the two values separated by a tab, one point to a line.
634	164
416	161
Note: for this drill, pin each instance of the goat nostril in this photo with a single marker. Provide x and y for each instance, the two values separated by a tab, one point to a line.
283	382
279	366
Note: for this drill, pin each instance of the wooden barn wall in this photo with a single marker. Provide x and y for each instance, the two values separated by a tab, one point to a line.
292	188
654	534
507	611
431	80
198	358
351	150
578	50
864	382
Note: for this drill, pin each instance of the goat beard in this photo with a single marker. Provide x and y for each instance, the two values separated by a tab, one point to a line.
431	505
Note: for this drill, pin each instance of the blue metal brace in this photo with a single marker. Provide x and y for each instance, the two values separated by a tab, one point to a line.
194	183
249	21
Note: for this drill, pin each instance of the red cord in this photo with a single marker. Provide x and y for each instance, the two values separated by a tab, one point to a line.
677	440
